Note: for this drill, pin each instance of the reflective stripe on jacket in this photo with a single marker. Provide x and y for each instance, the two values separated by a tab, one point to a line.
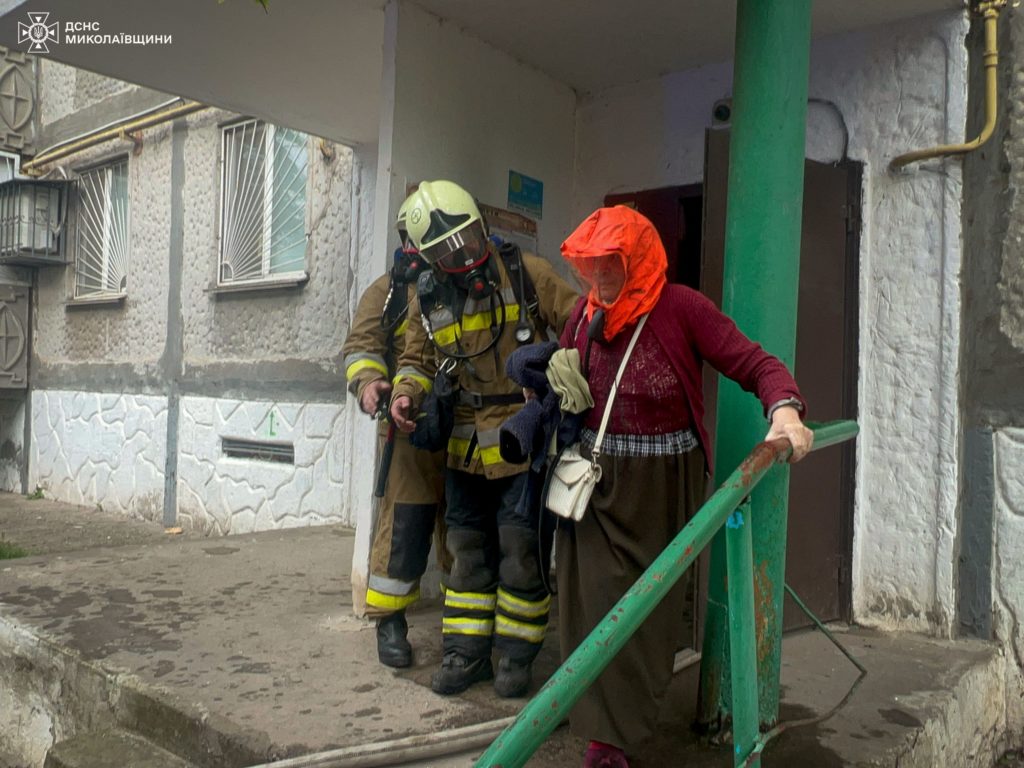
370	351
473	446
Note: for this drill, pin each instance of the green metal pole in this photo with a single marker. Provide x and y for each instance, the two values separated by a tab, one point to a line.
552	704
742	635
762	262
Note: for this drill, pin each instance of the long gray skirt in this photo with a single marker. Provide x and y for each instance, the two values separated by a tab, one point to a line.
637	508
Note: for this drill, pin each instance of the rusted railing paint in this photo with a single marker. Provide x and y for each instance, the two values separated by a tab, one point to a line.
552	703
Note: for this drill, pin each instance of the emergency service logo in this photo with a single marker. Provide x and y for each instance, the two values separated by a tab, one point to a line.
78	32
38	33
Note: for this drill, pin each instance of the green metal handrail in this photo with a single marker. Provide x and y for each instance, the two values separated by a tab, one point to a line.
729	505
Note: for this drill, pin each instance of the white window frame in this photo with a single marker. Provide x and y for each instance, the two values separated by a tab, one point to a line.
115	248
12	162
265	275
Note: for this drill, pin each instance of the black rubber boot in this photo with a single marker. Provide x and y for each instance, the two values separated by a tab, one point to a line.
457	673
513	679
393	648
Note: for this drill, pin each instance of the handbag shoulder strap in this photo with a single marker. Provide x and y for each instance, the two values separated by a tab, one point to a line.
615	386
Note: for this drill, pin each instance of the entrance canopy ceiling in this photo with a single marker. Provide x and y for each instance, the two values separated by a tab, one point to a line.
317	65
594	44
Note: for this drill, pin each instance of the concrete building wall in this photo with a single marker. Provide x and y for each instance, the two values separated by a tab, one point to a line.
295	334
213	359
992	502
896	88
1007	568
112	346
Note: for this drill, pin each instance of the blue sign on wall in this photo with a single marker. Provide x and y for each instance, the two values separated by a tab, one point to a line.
525	194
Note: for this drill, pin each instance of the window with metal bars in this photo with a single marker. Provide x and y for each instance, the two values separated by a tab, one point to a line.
101	255
263	202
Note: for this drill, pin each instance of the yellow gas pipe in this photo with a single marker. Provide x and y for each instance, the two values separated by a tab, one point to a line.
120	131
990	11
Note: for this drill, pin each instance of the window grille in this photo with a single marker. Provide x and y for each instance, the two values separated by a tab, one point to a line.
256	450
263	202
101	256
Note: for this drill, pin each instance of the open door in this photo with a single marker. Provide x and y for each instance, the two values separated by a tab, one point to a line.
820	531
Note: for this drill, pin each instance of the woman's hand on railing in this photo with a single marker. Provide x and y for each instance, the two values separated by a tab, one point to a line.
786	424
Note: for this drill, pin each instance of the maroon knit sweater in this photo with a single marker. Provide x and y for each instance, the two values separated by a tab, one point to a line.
690	330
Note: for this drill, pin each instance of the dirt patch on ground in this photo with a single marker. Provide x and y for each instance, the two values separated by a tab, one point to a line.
43	527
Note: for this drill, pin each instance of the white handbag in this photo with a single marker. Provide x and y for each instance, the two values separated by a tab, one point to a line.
574	476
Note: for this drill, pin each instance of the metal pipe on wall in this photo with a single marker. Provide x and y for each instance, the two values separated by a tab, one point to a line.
116	131
990	12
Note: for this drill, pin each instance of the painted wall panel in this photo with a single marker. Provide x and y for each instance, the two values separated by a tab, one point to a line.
89	448
219	494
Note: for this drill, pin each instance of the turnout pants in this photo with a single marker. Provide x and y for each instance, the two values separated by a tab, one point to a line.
495	591
411	512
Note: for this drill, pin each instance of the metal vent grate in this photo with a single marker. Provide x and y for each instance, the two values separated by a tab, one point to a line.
256	450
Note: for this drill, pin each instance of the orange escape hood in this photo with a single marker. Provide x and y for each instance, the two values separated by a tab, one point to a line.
623	231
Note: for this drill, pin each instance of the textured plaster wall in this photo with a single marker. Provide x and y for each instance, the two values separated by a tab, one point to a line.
12	443
1010	286
897	88
993	358
68	89
289	339
304	326
281	347
994	236
906	523
90	448
133	333
1007	568
221	494
57	86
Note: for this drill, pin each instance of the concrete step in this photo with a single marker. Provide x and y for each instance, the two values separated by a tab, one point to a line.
100	749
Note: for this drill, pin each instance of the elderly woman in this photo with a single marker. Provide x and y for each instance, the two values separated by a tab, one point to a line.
653	457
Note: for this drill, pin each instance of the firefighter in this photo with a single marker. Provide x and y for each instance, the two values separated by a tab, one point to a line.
413	490
477	305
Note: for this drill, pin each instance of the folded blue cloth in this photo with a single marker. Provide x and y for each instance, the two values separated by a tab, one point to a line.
528	365
525	435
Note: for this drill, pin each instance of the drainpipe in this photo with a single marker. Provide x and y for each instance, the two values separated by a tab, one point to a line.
762	268
990	12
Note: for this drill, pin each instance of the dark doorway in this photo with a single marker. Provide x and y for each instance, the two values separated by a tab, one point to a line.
677	213
691	222
820	530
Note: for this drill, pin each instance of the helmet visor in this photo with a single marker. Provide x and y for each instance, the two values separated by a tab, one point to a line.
460	251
